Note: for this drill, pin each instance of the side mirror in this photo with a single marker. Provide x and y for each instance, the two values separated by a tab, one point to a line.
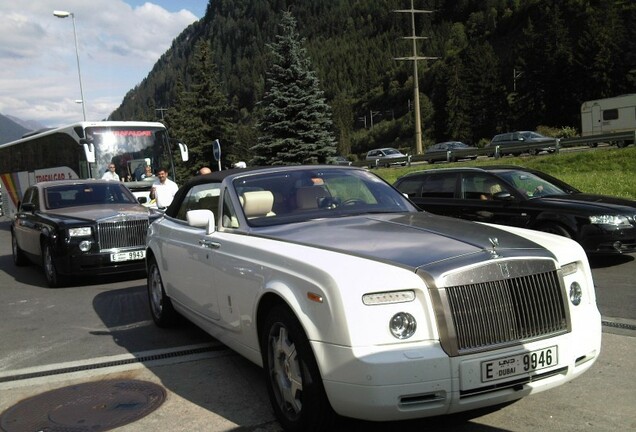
502	196
142	200
202	218
183	149
28	207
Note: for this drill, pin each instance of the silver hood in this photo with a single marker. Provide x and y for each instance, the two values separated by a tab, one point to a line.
412	240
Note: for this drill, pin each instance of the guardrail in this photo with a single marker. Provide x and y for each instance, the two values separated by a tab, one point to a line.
621	139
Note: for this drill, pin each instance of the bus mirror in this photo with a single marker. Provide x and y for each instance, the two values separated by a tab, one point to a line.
89	151
184	152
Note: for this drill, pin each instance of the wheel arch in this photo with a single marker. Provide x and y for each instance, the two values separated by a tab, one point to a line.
568	223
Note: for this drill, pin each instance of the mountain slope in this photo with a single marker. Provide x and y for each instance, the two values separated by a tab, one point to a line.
10	130
501	65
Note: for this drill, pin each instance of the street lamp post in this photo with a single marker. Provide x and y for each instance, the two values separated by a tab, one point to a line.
65	14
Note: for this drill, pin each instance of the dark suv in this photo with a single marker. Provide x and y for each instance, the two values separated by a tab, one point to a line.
516	143
510	195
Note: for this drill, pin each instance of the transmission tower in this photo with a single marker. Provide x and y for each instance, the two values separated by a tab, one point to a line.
415	58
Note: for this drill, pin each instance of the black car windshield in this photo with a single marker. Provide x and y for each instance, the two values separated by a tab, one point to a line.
73	195
297	195
531	135
532	185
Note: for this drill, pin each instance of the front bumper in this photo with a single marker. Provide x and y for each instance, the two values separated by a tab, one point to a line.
420	380
598	240
95	264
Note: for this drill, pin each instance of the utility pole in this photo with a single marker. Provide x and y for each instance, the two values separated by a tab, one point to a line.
161	110
414	58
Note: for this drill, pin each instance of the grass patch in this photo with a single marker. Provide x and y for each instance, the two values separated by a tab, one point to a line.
604	171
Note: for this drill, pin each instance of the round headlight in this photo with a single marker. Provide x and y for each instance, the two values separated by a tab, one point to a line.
402	325
576	293
85	245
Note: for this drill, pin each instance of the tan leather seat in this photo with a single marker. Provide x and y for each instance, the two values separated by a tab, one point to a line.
257	204
309	197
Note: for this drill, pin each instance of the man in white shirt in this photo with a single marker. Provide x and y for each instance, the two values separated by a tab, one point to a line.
163	189
110	174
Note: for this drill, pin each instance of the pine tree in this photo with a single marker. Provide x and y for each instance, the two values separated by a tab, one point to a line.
295	122
201	114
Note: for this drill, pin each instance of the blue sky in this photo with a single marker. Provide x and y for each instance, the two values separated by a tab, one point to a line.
119	41
197	7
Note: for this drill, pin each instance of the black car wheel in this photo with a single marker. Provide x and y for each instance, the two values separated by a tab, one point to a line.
554	228
293	380
19	259
161	309
53	278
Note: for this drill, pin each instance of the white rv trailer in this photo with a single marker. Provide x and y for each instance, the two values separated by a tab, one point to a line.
611	115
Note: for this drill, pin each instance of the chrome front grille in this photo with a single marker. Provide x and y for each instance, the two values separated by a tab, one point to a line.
509	310
122	234
499	303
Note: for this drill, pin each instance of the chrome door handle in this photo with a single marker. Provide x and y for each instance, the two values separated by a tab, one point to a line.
209	244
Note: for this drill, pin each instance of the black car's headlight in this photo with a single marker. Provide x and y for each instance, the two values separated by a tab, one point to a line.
613	220
80	232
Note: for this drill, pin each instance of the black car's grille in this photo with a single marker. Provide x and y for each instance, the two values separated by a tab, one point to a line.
500	312
122	234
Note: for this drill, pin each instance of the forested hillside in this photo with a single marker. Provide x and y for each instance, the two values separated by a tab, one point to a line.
502	65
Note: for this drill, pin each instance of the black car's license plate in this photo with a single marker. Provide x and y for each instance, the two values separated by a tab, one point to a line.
519	364
128	256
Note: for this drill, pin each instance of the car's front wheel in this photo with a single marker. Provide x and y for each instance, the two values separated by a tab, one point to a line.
53	278
19	259
161	309
293	380
554	228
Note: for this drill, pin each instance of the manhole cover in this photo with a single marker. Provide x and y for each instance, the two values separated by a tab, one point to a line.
95	406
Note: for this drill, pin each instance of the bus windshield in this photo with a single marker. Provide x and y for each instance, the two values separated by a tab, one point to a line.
130	149
135	150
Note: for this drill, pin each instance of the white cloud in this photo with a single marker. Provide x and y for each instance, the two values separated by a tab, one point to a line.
118	45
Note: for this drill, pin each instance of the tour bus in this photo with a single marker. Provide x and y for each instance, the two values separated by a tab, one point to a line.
85	150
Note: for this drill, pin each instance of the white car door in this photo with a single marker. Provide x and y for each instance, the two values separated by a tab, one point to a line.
189	253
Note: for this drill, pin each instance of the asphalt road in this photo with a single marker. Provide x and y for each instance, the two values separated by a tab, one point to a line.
99	329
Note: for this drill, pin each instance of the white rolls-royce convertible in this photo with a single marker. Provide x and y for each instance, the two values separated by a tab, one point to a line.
357	304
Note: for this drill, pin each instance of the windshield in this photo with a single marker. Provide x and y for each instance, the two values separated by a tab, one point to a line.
532	185
391	151
130	149
531	135
290	196
74	195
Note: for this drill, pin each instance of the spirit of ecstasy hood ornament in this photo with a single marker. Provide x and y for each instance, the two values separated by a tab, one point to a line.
494	241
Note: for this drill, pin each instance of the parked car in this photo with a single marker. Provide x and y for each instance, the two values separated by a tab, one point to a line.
356	303
458	150
386	157
80	227
516	143
339	160
511	195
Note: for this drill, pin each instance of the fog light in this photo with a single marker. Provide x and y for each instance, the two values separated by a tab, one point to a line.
576	293
403	325
85	245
